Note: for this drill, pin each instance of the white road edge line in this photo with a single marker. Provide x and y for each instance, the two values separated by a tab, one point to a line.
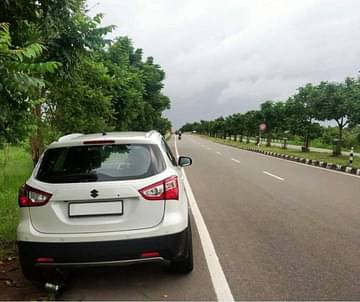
220	284
235	160
275	176
217	152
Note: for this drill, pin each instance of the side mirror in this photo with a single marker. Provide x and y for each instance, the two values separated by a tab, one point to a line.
184	161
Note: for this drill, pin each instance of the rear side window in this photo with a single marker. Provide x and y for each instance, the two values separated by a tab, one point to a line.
100	163
169	154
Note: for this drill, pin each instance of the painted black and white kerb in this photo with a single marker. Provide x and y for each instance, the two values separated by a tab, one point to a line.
351	157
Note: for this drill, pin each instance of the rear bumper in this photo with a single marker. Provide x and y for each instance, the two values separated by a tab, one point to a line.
103	253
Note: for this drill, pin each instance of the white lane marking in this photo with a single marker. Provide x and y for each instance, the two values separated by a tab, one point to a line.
275	176
235	160
217	152
208	148
220	284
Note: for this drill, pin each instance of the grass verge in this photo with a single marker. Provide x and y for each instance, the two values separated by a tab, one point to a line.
325	157
12	175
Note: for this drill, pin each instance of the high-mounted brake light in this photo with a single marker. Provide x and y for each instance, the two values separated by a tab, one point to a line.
97	142
162	190
31	197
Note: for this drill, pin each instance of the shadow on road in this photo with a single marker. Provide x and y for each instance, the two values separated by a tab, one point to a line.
136	282
149	281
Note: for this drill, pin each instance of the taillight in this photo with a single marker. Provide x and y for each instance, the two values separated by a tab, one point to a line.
162	190
31	197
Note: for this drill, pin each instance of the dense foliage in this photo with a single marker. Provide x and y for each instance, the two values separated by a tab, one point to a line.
59	74
299	117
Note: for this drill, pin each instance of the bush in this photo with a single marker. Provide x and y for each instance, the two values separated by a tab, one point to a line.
14	173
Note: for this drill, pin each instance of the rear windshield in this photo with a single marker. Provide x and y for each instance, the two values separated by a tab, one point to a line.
100	163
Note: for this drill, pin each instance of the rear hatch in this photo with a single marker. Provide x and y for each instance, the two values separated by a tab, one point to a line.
95	188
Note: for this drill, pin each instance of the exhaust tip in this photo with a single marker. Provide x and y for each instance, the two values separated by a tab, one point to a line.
54	288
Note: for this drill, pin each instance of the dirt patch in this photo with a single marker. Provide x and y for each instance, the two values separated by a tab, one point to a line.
14	286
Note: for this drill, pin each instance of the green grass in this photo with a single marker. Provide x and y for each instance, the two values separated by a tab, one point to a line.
325	157
315	143
17	170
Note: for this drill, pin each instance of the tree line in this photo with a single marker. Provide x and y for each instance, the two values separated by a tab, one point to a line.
60	74
300	115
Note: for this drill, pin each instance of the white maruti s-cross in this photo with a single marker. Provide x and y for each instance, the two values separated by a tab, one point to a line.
105	199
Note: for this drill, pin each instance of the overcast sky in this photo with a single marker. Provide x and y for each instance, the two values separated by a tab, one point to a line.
222	57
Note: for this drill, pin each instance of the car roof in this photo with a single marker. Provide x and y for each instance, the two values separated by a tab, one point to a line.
75	139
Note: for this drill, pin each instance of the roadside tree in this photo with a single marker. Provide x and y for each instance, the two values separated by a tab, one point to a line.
301	113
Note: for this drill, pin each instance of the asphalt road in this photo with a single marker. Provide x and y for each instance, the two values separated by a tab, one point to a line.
281	230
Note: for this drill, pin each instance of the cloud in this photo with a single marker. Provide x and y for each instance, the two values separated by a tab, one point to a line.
222	57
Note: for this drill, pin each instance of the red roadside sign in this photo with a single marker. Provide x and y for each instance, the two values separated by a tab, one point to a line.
262	126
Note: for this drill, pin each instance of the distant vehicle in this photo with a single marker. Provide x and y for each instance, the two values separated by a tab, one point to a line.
179	134
105	199
194	131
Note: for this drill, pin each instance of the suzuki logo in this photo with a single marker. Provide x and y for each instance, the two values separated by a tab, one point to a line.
94	193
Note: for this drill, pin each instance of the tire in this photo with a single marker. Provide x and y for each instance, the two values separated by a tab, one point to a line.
40	276
34	275
185	265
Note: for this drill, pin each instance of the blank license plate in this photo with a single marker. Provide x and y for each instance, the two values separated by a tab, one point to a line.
96	208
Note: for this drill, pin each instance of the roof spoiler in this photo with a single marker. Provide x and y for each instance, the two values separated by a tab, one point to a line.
151	132
69	137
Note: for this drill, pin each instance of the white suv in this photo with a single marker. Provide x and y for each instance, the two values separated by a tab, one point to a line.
105	199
